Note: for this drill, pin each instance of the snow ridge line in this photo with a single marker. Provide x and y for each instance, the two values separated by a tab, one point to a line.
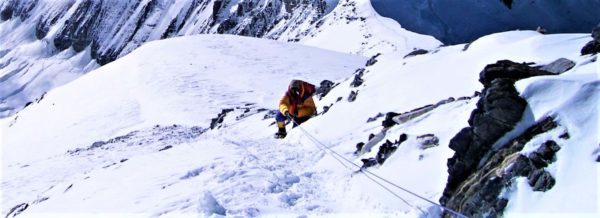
367	172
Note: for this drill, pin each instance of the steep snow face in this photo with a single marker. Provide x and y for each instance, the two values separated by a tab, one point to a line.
354	27
133	137
463	21
199	77
46	43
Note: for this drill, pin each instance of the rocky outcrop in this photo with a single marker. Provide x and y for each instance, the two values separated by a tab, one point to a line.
428	141
477	173
559	66
324	87
416	52
592	47
114	28
216	122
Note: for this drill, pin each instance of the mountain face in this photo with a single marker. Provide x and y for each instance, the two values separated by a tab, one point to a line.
464	21
505	125
184	127
47	43
113	28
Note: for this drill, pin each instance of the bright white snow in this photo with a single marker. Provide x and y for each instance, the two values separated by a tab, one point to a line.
355	27
156	103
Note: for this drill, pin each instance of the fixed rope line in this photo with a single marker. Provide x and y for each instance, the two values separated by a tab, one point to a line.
317	142
367	172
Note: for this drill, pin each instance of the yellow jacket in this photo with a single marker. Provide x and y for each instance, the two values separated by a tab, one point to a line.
300	105
305	108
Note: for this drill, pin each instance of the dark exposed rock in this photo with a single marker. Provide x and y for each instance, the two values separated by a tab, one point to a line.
592	47
326	108
371	119
559	66
538	160
165	148
416	52
477	173
565	136
541	180
548	149
545	154
385	151
227	25
352	96
389	121
462	141
428	141
17	9
368	162
16	210
357	81
522	166
219	119
6	13
360	71
324	88
359	147
78	30
506	163
372	60
112	31
508	70
216	7
445	101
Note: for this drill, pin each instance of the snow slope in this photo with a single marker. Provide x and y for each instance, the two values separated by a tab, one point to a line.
46	44
131	138
355	27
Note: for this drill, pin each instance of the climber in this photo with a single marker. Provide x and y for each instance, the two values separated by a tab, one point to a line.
297	104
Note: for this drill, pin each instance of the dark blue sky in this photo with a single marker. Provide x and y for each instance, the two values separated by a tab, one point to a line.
461	21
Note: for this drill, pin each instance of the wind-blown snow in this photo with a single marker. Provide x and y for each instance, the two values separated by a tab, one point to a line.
132	137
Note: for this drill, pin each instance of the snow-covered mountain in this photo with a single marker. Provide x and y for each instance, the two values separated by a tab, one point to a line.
503	126
133	137
46	43
466	20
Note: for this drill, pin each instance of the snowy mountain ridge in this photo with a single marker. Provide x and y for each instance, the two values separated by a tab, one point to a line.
45	44
145	147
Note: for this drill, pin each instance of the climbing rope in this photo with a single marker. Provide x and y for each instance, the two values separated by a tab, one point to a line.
367	173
